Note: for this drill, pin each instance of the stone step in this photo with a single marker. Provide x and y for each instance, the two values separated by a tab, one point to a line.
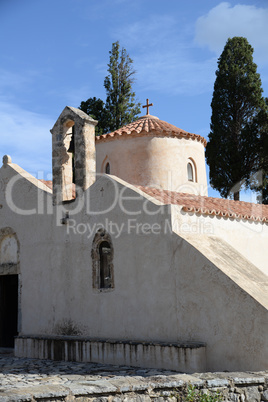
186	357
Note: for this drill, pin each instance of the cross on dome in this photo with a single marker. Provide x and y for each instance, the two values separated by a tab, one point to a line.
148	105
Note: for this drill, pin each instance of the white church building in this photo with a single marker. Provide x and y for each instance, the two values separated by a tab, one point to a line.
124	259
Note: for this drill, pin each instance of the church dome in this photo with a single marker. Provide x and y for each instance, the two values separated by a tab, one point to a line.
152	125
153	153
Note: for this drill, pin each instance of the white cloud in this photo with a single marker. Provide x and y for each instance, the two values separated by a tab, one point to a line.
224	21
165	58
25	136
175	73
154	31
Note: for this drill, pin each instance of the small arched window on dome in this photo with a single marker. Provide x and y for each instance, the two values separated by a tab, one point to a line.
191	171
107	168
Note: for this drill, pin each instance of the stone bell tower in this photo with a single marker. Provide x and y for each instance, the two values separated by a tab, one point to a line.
73	154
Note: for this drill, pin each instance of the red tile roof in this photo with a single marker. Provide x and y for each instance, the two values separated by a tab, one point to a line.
204	205
48	183
152	124
210	206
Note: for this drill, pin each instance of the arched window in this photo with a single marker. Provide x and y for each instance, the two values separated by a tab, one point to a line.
105	259
107	168
102	261
191	171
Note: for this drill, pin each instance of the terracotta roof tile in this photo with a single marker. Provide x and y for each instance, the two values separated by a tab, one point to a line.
209	205
148	123
204	205
48	183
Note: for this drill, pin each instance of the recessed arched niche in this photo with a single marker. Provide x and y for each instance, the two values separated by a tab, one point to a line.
9	248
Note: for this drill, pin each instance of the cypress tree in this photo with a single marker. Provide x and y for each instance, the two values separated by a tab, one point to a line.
120	104
236	123
121	107
261	182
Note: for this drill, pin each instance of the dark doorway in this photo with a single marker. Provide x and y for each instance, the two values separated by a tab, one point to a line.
8	310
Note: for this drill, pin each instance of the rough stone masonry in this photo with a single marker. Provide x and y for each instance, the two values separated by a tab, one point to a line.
24	379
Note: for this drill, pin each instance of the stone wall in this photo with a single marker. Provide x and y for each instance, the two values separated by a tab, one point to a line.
125	384
231	387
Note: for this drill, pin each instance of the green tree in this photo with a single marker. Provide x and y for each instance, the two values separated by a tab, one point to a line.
120	102
261	177
263	189
121	107
95	108
233	150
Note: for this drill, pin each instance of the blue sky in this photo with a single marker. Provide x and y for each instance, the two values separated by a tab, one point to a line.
54	53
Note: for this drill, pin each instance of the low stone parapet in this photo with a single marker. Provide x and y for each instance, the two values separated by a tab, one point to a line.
37	380
188	357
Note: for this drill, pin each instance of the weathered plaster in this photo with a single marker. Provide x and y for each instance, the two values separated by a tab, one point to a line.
170	285
166	289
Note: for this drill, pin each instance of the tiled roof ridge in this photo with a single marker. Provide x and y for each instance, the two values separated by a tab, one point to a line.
204	205
152	124
201	204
